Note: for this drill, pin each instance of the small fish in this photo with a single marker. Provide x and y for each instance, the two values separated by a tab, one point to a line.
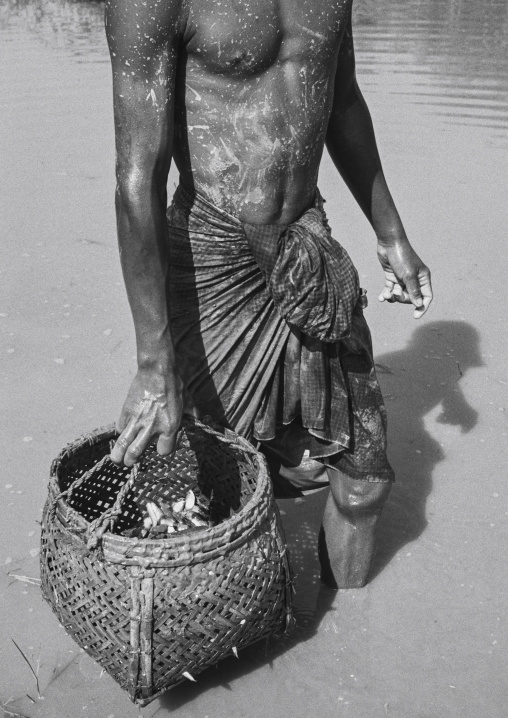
187	675
154	512
178	506
160	529
169	522
166	509
190	500
195	521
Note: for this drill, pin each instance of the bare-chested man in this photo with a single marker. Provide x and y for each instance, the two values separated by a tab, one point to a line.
244	95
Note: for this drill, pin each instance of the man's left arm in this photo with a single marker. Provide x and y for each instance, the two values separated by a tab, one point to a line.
351	143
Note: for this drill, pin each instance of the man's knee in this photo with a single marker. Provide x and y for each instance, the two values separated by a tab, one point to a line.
356	498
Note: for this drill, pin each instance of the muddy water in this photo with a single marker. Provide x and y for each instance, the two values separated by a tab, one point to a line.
427	637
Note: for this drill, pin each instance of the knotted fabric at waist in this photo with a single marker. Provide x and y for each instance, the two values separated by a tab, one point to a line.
259	315
310	276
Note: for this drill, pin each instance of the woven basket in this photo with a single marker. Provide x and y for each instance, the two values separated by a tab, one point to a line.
155	612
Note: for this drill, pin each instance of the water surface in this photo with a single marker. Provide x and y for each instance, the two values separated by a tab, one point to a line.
427	637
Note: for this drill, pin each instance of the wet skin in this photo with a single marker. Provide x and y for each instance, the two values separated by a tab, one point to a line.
243	95
254	95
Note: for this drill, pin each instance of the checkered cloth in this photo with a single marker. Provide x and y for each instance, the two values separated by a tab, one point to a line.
310	276
269	330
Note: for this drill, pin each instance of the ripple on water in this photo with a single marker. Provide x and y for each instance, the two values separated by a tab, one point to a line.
74	25
450	58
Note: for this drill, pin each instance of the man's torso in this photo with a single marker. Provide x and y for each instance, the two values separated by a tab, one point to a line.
254	91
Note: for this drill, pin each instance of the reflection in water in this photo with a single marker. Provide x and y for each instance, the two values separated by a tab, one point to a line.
450	56
77	25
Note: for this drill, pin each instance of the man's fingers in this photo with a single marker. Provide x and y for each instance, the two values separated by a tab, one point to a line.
400	294
132	442
123	442
122	422
414	293
394	294
407	279
427	295
386	294
166	444
137	446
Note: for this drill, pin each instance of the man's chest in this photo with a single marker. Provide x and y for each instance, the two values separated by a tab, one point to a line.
245	37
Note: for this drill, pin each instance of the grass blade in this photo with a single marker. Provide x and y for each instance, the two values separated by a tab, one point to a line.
29	665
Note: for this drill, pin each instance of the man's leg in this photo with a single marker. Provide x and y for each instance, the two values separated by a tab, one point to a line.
346	539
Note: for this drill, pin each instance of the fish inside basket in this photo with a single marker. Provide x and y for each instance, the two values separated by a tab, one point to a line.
195	488
165	570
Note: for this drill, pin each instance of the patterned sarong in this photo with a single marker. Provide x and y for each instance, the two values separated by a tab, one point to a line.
270	335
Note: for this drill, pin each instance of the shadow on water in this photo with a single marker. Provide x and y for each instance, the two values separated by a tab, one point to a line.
419	380
312	601
422	379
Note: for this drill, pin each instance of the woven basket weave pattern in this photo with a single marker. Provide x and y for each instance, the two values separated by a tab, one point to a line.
151	610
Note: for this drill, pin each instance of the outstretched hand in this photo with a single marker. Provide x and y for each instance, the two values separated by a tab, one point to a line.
407	278
153	408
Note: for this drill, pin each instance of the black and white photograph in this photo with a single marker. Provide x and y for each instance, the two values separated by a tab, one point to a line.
253	358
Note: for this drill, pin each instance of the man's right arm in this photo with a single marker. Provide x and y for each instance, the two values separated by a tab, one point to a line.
143	41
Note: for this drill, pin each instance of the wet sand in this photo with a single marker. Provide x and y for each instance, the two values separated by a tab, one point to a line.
427	638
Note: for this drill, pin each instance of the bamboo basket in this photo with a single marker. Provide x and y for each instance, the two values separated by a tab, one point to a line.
156	612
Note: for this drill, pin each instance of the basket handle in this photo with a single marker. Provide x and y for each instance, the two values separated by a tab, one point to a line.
228	437
100	525
77	482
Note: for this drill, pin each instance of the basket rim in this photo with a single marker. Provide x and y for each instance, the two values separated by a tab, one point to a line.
193	546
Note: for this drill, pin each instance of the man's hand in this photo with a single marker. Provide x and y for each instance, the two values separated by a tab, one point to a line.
153	408
407	279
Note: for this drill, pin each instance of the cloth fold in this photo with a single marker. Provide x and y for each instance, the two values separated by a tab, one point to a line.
310	276
264	319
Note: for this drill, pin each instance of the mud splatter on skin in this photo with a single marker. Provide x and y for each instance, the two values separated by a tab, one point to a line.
253	87
259	88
